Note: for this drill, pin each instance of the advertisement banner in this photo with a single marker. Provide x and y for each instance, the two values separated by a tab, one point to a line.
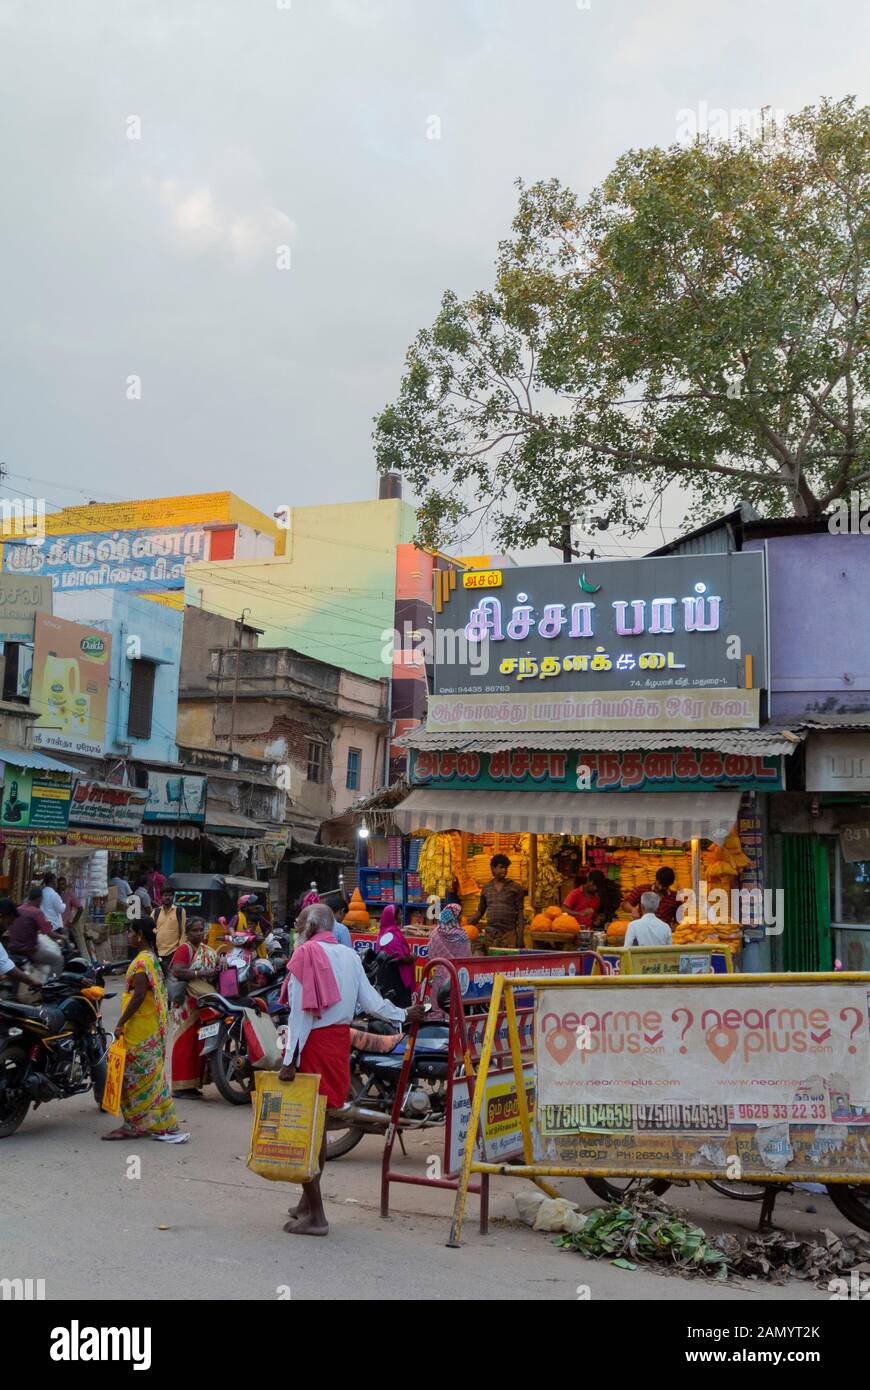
683	622
106	806
662	770
738	1045
34	798
20	601
728	708
144	560
502	1136
174	797
70	686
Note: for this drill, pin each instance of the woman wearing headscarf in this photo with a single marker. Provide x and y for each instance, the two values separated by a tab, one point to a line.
396	966
449	941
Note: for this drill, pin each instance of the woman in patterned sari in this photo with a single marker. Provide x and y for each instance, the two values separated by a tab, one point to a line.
197	965
144	1025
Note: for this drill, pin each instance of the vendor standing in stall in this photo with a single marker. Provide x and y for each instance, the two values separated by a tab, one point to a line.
664	887
501	902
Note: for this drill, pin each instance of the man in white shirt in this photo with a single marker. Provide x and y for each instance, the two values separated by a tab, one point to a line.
318	1038
648	930
53	905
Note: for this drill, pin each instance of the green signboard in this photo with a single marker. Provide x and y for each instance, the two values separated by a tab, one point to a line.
659	770
35	799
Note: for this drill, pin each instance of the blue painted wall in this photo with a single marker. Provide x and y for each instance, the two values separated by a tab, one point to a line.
819	598
158	629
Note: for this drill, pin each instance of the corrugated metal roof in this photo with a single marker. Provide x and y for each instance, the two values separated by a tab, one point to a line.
767	742
24	757
849	720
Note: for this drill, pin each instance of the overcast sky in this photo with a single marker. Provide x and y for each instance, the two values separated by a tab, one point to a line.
266	124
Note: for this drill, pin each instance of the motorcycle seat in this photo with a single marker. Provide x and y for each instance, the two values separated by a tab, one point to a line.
52	1020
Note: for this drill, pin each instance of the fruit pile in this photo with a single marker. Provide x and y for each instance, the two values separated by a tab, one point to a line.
555	920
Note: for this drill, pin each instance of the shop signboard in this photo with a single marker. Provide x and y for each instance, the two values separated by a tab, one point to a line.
35	798
838	762
855	842
682	639
70	686
175	797
21	598
665	770
107	807
144	559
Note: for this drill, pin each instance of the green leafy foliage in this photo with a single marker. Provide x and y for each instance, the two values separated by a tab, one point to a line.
702	318
643	1231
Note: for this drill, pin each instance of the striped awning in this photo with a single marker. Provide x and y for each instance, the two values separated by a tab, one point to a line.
642	815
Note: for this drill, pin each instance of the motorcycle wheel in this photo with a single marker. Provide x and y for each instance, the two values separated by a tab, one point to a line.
616	1189
340	1141
852	1200
229	1065
13	1107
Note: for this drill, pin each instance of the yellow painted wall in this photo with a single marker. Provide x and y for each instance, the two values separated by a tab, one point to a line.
331	595
185	510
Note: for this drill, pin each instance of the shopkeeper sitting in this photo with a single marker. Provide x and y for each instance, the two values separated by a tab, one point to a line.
663	885
648	929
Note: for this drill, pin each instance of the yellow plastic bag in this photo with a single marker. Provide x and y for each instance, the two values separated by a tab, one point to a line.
115	1063
287	1128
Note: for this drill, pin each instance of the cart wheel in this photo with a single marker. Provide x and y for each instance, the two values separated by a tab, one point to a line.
617	1189
852	1200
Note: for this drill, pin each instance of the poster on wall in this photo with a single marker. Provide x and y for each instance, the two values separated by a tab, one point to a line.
35	798
21	598
173	797
70	686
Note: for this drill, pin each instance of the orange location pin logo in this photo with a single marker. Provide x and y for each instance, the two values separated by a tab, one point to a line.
560	1045
721	1041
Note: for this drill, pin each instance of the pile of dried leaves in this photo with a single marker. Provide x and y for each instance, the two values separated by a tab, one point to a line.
642	1229
777	1256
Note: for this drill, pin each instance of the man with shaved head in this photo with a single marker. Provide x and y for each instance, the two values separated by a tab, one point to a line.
328	986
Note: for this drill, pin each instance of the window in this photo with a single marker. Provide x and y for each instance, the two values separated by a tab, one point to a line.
315	762
354	763
141	699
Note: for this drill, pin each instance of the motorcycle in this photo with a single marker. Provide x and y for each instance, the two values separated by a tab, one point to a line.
53	1049
224	1041
377	1054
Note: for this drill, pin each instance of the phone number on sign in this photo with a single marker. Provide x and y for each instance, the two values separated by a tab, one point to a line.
799	1110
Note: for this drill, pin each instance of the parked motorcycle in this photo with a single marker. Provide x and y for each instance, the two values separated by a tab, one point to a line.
375	1077
224	1041
53	1049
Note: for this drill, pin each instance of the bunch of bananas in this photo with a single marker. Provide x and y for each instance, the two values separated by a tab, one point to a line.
440	862
548	880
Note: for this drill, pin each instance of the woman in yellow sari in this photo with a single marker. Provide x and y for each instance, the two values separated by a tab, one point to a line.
144	1025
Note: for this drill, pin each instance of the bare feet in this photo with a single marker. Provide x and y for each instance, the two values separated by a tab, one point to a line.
306	1227
124	1132
300	1208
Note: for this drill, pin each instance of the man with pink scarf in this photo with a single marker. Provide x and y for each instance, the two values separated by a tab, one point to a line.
328	986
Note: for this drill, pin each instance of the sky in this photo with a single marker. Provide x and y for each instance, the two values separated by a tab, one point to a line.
223	221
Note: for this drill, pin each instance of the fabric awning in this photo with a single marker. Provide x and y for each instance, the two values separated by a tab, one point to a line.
221	820
644	815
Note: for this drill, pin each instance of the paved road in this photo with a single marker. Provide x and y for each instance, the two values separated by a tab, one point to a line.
198	1224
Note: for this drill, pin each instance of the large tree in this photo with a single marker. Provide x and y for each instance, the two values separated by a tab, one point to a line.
701	318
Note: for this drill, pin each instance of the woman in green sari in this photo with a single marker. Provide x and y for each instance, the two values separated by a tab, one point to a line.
144	1025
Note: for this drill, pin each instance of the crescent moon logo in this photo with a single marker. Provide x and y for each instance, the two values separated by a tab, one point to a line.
586	586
